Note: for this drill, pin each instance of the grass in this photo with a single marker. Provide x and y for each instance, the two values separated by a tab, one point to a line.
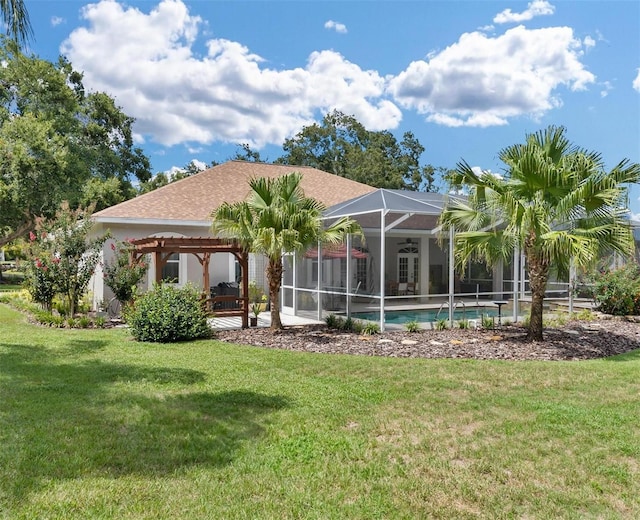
7	287
95	425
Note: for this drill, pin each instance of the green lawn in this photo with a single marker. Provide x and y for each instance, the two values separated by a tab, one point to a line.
95	425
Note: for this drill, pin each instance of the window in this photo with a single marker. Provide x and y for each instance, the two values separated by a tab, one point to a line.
171	269
403	269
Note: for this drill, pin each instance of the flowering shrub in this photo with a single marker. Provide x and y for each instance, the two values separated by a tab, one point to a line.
63	257
41	274
121	276
617	291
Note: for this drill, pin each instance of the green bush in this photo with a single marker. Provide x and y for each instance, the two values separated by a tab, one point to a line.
332	321
442	324
617	291
412	326
487	322
167	314
371	328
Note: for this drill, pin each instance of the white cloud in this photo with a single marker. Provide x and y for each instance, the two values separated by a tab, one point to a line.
336	26
56	20
589	42
535	8
606	88
147	62
483	81
636	82
199	164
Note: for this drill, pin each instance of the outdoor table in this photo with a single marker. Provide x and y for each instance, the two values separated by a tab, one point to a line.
500	303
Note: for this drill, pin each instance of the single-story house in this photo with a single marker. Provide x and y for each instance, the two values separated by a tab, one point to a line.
183	209
403	263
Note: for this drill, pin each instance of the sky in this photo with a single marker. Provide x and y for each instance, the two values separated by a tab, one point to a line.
468	78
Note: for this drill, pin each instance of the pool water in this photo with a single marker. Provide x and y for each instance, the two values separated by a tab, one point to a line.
427	315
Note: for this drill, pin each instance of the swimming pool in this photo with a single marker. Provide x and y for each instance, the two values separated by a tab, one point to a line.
427	315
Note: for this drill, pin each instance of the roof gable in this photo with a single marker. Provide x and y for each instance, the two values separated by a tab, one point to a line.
195	197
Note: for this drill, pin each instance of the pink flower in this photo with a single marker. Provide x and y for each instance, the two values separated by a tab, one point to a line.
113	246
55	260
38	263
32	236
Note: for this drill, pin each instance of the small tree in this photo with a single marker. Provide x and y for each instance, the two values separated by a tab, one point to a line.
121	276
66	257
41	273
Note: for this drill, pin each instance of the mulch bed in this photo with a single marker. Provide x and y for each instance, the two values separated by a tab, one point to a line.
574	341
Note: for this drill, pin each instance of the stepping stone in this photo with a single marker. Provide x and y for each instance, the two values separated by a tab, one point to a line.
434	342
384	340
456	342
409	342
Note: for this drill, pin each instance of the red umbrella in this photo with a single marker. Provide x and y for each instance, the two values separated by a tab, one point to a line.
339	251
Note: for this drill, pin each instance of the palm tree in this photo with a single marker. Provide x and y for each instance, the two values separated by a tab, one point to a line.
16	20
556	204
278	217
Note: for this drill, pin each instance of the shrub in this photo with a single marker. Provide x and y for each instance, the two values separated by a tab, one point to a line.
585	315
347	325
371	328
168	314
121	276
442	324
44	317
463	324
412	326
84	322
357	326
332	321
617	291
99	322
487	322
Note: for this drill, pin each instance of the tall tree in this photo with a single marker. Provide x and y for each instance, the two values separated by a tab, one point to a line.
58	143
245	153
556	203
343	146
277	217
16	20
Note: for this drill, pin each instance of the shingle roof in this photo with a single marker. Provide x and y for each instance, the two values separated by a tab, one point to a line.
194	198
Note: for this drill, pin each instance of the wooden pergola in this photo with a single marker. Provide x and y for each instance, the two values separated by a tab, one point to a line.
161	248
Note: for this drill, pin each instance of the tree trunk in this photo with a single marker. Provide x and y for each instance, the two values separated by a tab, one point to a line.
538	276
274	278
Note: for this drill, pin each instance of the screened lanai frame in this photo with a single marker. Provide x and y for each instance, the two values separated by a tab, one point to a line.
387	213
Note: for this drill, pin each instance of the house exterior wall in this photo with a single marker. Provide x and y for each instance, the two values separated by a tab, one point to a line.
221	267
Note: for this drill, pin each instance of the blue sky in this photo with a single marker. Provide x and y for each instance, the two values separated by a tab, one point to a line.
466	77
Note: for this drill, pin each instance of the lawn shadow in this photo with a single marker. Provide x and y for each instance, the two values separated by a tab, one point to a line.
85	346
69	420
